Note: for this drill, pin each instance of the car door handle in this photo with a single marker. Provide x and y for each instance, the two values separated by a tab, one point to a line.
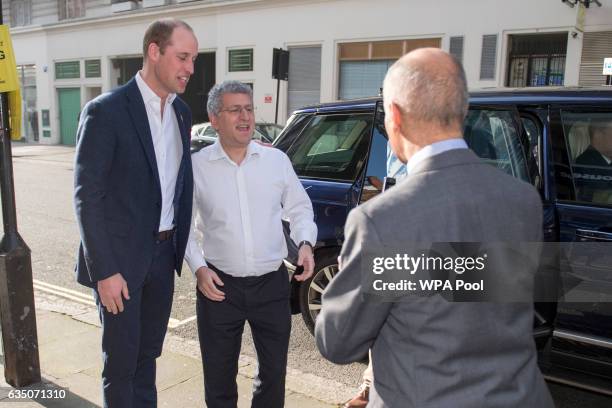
593	235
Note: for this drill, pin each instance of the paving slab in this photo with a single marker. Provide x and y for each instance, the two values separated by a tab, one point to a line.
61	358
69	348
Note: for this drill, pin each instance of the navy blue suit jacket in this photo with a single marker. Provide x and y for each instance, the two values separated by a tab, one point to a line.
117	191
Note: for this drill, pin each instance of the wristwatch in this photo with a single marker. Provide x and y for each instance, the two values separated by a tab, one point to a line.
301	244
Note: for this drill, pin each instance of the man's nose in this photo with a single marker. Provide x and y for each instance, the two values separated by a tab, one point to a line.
244	113
190	67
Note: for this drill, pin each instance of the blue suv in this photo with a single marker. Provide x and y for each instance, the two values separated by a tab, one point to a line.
339	151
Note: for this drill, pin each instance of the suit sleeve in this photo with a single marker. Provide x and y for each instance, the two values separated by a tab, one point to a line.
96	142
349	323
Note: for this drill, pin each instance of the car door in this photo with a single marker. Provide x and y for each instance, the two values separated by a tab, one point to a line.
537	129
583	192
496	133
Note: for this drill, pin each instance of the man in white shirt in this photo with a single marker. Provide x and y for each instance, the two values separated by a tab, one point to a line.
242	190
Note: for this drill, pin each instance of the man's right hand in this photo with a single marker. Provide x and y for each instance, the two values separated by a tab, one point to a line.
110	291
208	280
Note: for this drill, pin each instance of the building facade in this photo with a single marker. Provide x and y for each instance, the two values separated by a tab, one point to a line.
70	51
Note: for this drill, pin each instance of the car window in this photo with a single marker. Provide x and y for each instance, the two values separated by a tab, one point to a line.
270	131
533	134
376	171
492	135
332	147
208	131
589	140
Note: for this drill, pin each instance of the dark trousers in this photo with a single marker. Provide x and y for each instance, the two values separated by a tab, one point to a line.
263	301
133	339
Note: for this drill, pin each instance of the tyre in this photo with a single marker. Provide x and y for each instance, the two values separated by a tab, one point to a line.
326	267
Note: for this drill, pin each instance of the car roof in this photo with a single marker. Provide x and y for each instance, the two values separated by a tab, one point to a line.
528	96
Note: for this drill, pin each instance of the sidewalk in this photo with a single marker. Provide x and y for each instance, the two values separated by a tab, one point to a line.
69	346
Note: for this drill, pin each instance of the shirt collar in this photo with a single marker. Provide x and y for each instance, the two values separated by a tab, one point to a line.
218	153
148	95
434	149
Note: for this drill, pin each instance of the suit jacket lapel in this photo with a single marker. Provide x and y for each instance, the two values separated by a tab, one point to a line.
141	124
180	178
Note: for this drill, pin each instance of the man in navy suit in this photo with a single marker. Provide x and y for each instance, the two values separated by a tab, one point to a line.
133	197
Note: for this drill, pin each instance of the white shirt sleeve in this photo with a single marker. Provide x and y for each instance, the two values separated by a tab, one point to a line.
194	253
297	207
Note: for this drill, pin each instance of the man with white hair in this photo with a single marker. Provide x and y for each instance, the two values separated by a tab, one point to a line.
428	351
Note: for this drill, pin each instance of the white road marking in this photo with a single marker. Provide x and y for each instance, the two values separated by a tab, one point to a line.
89	300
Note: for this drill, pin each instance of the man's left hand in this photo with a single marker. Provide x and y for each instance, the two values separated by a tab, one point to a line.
305	259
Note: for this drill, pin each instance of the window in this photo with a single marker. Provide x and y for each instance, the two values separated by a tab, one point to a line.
363	65
377	170
241	60
456	48
304	87
93	69
589	140
71	9
67	70
493	137
360	79
537	59
488	56
332	147
21	12
27	81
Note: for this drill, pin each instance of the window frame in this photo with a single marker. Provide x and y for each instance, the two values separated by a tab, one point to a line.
251	57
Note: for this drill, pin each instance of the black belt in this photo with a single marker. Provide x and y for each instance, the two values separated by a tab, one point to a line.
164	235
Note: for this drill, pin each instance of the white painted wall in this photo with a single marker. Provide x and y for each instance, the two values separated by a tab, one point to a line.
266	24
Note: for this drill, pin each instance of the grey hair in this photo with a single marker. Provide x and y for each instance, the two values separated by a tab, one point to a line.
428	93
215	95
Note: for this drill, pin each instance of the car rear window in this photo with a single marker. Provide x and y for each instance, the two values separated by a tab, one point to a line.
332	147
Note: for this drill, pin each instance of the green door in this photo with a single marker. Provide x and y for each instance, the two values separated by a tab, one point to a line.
69	109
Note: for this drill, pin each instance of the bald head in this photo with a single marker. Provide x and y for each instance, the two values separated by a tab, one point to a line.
429	86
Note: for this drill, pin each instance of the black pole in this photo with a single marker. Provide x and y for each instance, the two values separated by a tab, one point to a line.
609	80
277	95
17	312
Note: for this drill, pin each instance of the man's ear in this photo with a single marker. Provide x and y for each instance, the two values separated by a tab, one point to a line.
153	52
214	121
396	116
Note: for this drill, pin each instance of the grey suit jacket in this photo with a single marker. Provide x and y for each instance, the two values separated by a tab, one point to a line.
429	352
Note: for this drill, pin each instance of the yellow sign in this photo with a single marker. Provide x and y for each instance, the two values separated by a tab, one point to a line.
14	99
9	82
8	68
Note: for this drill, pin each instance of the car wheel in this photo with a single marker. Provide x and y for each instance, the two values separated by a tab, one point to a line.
311	290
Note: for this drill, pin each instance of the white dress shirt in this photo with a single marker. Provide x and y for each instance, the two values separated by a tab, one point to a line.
238	210
167	144
434	149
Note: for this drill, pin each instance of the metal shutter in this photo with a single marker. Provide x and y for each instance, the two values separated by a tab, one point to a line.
488	56
304	77
456	48
595	47
359	79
